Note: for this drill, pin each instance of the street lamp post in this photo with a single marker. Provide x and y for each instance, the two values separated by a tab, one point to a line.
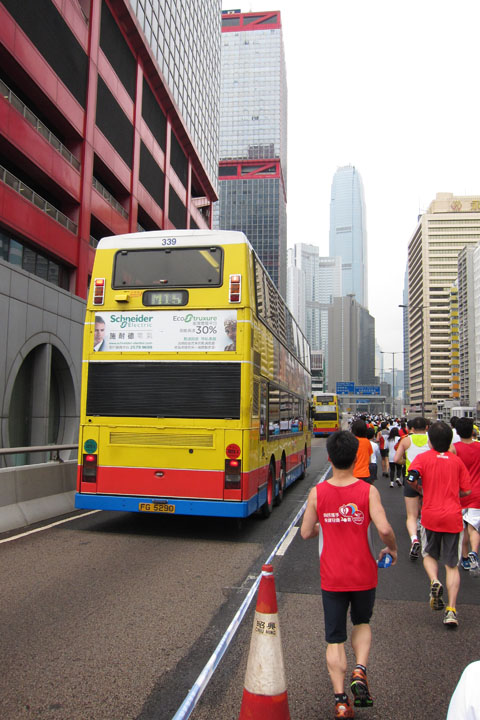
388	352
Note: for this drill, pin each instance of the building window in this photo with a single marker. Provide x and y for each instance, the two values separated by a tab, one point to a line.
14	251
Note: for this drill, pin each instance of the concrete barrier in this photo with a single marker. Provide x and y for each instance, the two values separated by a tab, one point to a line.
32	493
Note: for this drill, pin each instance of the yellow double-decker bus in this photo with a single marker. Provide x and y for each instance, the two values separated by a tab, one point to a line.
195	380
326	418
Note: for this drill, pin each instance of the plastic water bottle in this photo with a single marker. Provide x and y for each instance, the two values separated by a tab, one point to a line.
386	561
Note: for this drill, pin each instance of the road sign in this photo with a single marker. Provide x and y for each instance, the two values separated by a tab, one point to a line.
367	389
345	388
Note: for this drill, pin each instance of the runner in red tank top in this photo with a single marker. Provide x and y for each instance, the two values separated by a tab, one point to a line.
468	450
341	511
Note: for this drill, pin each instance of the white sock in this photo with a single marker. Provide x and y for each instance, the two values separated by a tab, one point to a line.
413	538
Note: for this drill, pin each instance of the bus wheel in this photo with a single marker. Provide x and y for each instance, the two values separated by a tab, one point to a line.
281	485
267	507
304	465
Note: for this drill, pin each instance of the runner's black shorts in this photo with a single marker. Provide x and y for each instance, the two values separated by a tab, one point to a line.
384	453
335	609
447	544
408	490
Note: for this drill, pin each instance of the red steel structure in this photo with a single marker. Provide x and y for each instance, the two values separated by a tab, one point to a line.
91	140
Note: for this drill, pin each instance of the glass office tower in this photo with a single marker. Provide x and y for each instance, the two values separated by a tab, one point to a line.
348	232
253	136
184	38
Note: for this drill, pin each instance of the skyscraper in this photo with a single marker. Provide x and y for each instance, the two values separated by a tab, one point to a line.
351	343
253	136
313	283
348	233
450	224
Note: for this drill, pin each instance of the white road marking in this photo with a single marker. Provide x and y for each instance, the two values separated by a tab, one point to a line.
284	546
46	527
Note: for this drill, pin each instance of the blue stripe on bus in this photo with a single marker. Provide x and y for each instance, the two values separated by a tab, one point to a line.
209	508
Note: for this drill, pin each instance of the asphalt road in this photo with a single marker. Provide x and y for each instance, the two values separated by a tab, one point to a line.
113	616
415	661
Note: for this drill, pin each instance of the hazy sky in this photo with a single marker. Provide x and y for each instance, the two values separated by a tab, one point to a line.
392	88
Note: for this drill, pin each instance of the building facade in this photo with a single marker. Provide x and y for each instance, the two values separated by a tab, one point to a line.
348	231
454	349
108	126
253	136
474	342
296	290
466	326
320	280
351	343
450	224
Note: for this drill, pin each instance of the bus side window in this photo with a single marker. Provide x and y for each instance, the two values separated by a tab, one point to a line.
263	411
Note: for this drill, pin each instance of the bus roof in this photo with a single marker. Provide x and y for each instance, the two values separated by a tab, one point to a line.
190	238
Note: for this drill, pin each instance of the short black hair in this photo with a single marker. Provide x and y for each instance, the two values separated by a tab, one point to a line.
342	449
419	423
464	427
440	435
453	421
359	428
370	433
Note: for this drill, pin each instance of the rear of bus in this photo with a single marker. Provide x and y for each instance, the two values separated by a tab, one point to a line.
325	414
167	349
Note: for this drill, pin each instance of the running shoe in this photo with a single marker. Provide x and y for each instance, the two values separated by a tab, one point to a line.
450	618
414	550
473	557
399	482
359	688
391	483
436	592
343	710
465	563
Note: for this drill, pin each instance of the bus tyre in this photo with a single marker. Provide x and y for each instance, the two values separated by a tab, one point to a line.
303	464
267	507
281	485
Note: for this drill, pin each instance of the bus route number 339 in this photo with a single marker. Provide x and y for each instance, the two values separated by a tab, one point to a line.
161	507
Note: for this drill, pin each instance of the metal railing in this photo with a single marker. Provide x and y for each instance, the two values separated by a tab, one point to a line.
12	181
38	125
109	197
53	449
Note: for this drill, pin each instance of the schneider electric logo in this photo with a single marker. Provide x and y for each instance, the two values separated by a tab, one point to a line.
196	318
130	320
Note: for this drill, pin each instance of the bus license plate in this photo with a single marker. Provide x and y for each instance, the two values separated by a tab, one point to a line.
156	507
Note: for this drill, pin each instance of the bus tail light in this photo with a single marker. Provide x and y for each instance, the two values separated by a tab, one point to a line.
233	474
235	289
89	473
99	291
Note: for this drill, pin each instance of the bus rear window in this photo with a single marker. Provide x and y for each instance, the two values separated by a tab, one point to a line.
174	267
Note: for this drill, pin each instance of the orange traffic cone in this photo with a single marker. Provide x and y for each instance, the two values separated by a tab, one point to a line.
265	690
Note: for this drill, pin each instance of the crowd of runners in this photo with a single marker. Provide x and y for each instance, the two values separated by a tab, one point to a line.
438	467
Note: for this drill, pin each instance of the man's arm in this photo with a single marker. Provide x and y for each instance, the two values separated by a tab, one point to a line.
384	529
310	525
465	480
401	450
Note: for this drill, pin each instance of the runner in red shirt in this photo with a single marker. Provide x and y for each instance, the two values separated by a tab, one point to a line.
442	478
469	451
340	511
